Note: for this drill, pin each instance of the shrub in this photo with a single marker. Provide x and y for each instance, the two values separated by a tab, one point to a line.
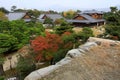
17	34
113	30
61	29
7	43
25	66
85	34
60	54
2	78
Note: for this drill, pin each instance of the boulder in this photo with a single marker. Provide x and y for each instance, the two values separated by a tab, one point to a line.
38	74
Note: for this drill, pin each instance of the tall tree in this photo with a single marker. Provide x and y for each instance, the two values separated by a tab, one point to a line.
113	9
46	46
69	14
2	9
13	8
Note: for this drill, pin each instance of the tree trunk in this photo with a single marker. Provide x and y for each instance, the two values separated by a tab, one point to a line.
1	70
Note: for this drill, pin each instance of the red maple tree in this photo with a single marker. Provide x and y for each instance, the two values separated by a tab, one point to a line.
46	46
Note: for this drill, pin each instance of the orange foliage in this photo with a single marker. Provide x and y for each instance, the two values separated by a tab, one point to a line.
46	45
39	44
66	33
54	41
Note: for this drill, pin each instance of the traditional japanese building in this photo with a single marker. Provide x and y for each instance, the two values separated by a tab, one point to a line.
53	17
19	16
88	18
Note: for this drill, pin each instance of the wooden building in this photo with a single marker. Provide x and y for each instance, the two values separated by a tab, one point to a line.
19	16
53	17
88	18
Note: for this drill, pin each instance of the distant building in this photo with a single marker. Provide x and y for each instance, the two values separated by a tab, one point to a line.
54	17
88	18
18	16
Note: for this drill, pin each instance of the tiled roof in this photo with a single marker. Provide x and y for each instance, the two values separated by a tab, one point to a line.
15	15
79	21
54	16
41	16
51	16
88	18
92	11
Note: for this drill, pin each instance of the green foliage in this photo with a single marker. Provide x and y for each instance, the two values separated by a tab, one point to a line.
13	8
87	31
85	34
25	66
68	38
61	29
113	17
59	21
113	24
2	78
113	30
35	13
7	43
113	9
69	14
48	21
60	54
2	9
18	33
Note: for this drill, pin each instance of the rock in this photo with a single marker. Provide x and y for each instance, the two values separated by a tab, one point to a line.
38	74
104	42
87	46
73	53
63	61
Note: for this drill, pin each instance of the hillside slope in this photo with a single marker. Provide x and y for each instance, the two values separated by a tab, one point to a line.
99	63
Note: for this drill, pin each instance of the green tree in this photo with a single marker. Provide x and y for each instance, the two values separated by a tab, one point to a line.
63	28
59	21
5	27
113	24
85	34
69	14
20	10
7	43
35	13
20	31
113	30
60	54
48	21
113	9
13	8
78	11
113	17
2	9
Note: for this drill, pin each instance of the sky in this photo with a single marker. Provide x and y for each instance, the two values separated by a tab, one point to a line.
59	5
